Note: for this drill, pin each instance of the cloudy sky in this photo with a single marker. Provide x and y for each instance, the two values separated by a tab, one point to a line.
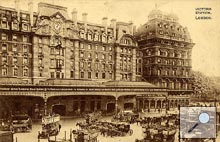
205	33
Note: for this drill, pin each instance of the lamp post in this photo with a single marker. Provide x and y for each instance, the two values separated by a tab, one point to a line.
167	105
45	104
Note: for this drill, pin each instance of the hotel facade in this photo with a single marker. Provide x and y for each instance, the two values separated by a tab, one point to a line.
73	66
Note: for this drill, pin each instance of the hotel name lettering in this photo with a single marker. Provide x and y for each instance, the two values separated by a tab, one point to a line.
81	89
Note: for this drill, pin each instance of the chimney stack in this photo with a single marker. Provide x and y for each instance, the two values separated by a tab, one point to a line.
17	8
131	27
105	23
74	16
30	9
84	17
113	25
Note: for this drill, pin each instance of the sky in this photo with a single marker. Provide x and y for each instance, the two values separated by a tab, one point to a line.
204	33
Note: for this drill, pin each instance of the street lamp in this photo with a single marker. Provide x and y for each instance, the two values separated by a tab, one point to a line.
45	104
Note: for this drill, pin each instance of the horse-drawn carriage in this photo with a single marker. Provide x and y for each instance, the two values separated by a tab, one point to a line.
126	116
85	135
50	126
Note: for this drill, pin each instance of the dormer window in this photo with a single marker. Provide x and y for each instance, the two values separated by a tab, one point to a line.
166	26
160	25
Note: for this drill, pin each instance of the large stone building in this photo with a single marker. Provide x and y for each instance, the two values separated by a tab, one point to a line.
167	47
72	66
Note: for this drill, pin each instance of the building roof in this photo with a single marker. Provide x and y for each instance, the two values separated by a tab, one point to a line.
46	9
75	82
128	84
11	80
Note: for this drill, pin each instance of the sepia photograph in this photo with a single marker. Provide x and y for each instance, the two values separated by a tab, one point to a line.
109	71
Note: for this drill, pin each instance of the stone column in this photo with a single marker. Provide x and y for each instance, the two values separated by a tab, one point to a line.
155	105
95	109
116	105
76	44
117	63
133	77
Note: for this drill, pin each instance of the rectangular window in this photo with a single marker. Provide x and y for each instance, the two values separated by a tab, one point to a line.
89	75
15	26
103	75
96	55
81	46
25	49
25	27
4	59
71	74
25	38
4	72
40	61
103	56
15	73
14	47
96	75
110	57
110	48
25	73
52	75
15	60
103	48
25	60
96	47
52	51
89	64
52	62
4	36
82	75
96	66
89	46
81	54
4	24
110	75
14	37
39	40
103	66
90	55
40	50
110	66
4	47
81	64
57	74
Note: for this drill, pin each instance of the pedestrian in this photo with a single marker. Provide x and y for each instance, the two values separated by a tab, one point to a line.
59	127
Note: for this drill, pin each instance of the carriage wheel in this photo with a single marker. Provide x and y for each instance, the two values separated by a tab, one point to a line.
130	132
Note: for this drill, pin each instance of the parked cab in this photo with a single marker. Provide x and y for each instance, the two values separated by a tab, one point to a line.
21	123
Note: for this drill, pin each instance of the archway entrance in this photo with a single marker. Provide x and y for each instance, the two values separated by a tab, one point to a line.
110	107
59	109
128	106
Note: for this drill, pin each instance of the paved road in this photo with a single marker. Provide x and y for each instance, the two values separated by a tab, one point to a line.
70	124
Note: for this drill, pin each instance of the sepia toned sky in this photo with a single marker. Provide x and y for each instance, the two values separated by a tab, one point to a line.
204	33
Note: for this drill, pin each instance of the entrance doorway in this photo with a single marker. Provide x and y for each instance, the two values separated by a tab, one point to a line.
59	109
128	106
82	106
92	106
110	107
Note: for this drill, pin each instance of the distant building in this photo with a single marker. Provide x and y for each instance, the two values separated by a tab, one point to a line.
73	66
167	47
